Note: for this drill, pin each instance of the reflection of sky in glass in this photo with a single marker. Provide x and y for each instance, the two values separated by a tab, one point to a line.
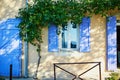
65	35
73	33
69	36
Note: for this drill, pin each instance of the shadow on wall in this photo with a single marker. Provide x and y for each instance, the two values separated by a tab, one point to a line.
97	54
9	8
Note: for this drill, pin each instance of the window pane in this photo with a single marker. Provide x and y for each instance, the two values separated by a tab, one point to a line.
64	37
73	44
73	36
69	36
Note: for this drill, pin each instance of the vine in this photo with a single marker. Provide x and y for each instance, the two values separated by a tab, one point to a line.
58	12
42	13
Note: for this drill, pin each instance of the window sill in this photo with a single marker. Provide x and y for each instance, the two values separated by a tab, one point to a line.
68	50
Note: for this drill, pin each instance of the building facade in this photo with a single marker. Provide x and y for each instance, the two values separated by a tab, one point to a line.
95	40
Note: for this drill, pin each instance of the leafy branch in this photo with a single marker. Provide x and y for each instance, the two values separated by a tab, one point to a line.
42	13
58	12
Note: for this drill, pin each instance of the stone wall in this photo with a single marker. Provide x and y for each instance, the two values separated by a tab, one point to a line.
9	8
96	54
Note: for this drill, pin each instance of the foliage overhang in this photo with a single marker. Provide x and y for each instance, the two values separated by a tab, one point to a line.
44	12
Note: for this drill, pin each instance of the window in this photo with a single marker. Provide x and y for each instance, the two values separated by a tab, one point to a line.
69	37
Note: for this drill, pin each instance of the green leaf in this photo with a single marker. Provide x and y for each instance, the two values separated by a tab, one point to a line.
59	12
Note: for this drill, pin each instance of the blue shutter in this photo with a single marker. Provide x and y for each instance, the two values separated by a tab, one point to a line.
10	47
85	35
111	43
52	38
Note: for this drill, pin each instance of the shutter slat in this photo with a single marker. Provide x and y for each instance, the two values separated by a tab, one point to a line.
111	44
52	39
85	35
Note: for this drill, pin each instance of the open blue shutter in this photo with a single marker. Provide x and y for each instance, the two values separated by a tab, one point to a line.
111	43
10	48
52	38
85	35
